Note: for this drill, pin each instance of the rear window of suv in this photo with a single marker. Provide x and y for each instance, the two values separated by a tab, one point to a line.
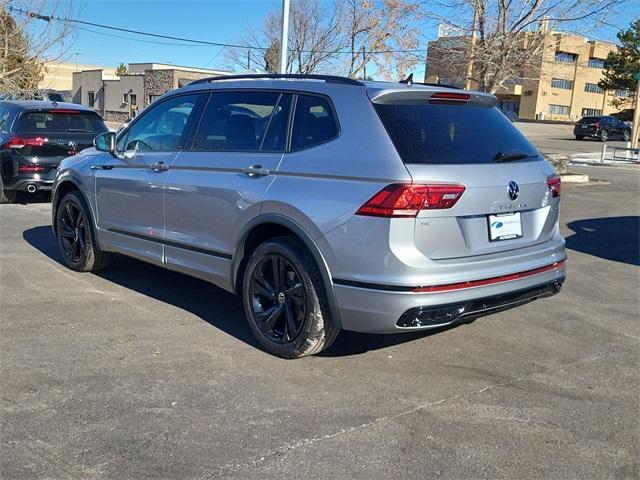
451	134
589	120
73	121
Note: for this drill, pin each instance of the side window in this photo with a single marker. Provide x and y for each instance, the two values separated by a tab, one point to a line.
244	121
313	122
160	128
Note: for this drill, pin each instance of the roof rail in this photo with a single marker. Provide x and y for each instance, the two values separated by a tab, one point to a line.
326	78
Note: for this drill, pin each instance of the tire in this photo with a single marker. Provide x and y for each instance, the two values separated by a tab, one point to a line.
6	196
604	135
75	236
289	314
626	135
579	137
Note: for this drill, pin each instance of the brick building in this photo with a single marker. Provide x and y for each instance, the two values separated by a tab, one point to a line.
562	85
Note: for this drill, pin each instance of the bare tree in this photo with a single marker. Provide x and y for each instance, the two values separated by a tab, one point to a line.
314	37
30	35
341	37
497	41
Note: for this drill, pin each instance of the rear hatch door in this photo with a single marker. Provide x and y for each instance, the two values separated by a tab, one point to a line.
507	203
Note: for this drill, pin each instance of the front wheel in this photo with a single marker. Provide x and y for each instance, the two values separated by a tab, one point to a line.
626	135
285	300
75	236
604	135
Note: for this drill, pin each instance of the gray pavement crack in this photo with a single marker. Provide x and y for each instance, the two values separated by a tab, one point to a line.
285	449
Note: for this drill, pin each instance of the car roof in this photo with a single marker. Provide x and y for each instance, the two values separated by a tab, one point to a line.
317	84
46	104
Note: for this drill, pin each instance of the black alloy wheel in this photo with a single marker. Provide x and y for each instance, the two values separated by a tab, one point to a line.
77	244
285	300
72	228
278	298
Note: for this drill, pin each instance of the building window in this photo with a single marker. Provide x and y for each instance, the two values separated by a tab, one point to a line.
133	99
623	93
592	88
561	83
591	112
92	98
125	98
559	109
566	57
596	63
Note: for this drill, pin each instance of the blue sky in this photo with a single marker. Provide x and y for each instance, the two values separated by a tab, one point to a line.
209	20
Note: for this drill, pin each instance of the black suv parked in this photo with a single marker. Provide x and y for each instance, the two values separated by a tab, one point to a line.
602	128
35	136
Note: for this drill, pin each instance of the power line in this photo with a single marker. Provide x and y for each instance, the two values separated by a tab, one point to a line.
49	18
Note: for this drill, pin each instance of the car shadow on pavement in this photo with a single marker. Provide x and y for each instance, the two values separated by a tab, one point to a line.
213	305
611	238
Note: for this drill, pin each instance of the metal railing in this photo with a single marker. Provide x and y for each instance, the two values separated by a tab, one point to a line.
620	154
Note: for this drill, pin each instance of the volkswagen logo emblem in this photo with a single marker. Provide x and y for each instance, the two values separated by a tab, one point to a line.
513	190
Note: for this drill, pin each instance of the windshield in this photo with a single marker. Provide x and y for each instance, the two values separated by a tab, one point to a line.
452	134
60	122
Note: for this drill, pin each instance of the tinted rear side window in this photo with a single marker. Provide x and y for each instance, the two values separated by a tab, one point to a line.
313	122
60	122
244	121
451	134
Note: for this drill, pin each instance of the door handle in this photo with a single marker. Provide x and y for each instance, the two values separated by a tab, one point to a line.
159	166
101	167
255	171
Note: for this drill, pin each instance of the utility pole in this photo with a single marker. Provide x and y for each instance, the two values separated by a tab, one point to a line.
635	130
469	72
248	59
284	36
364	63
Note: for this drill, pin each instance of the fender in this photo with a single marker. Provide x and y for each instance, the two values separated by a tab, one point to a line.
238	254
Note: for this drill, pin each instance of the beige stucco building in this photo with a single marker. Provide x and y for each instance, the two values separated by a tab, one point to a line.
59	76
562	85
119	98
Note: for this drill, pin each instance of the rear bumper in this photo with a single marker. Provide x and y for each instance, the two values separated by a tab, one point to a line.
374	310
22	184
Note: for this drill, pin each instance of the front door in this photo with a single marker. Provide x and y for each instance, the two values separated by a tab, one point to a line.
218	184
130	188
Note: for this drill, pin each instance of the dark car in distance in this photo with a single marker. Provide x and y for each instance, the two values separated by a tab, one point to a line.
34	138
602	127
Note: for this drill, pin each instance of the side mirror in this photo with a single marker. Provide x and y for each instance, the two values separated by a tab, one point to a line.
106	142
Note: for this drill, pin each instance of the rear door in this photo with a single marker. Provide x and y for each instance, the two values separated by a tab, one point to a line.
506	203
218	184
130	187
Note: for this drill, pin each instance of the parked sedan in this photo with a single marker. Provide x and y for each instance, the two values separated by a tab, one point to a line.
35	136
602	128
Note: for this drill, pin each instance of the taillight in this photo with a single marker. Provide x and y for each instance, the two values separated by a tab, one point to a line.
597	124
20	142
31	168
406	200
553	182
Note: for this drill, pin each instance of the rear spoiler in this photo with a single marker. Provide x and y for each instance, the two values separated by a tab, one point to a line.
421	96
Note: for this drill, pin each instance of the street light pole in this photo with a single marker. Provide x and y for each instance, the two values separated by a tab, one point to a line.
284	36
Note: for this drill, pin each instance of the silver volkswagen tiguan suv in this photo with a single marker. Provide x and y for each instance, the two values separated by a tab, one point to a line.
327	203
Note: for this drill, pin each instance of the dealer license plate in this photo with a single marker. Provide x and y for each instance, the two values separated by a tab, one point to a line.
504	226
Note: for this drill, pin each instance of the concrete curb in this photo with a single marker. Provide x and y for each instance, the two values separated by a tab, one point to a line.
574	178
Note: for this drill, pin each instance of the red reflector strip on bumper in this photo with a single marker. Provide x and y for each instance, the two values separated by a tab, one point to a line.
489	281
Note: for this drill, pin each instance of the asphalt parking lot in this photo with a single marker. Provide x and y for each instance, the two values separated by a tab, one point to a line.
143	373
558	139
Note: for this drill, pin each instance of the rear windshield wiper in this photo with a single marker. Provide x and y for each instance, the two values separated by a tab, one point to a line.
509	157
